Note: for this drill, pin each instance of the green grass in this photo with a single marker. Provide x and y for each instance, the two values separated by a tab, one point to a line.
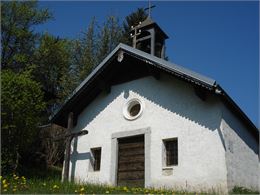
49	182
243	190
20	185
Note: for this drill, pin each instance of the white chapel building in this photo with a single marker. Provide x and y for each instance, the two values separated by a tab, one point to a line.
152	123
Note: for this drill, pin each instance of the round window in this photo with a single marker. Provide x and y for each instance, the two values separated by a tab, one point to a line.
133	109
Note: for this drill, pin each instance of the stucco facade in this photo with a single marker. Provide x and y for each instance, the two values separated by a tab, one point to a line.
242	151
171	110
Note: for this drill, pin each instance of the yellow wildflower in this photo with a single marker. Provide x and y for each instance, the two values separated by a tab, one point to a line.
55	187
4	181
82	189
23	178
76	191
125	188
5	185
107	192
16	178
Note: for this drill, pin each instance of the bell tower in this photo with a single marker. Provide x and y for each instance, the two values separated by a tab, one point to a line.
149	37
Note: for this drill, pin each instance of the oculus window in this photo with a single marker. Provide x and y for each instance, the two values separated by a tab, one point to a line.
133	109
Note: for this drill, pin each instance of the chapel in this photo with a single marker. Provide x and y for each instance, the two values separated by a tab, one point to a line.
152	123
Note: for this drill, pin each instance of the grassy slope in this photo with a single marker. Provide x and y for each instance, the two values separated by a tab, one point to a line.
48	182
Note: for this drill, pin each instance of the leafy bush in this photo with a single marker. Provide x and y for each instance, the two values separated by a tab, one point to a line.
21	107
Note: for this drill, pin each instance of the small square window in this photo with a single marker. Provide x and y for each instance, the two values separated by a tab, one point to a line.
96	154
170	152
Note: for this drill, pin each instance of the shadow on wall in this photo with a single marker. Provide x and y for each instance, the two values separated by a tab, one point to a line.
241	130
170	94
76	156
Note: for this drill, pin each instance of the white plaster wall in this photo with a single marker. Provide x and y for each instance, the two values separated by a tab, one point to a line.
171	110
241	153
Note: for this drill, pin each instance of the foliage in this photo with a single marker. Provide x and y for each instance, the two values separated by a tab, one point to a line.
53	149
95	44
109	37
98	41
53	69
84	52
17	35
21	107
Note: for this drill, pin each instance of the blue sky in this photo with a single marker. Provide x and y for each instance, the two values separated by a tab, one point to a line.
218	39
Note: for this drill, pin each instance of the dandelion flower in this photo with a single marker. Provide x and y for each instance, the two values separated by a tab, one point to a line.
82	189
4	181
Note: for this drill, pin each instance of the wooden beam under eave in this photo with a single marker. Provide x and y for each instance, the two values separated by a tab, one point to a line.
154	72
104	86
201	93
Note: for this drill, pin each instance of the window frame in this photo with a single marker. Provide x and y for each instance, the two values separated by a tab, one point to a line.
96	165
166	158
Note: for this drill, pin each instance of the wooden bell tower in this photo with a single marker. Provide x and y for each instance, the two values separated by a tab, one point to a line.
149	37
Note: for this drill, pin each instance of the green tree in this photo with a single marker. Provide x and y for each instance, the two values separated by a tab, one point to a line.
110	36
95	44
17	36
84	51
21	108
53	69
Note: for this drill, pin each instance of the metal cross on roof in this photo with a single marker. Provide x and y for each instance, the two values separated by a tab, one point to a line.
149	8
135	33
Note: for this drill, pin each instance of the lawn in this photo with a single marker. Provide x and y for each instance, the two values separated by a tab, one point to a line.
49	182
21	185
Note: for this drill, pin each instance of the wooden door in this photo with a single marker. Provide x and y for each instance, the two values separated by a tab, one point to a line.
131	161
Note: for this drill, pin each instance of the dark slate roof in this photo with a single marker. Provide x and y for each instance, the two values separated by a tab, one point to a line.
180	70
176	70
